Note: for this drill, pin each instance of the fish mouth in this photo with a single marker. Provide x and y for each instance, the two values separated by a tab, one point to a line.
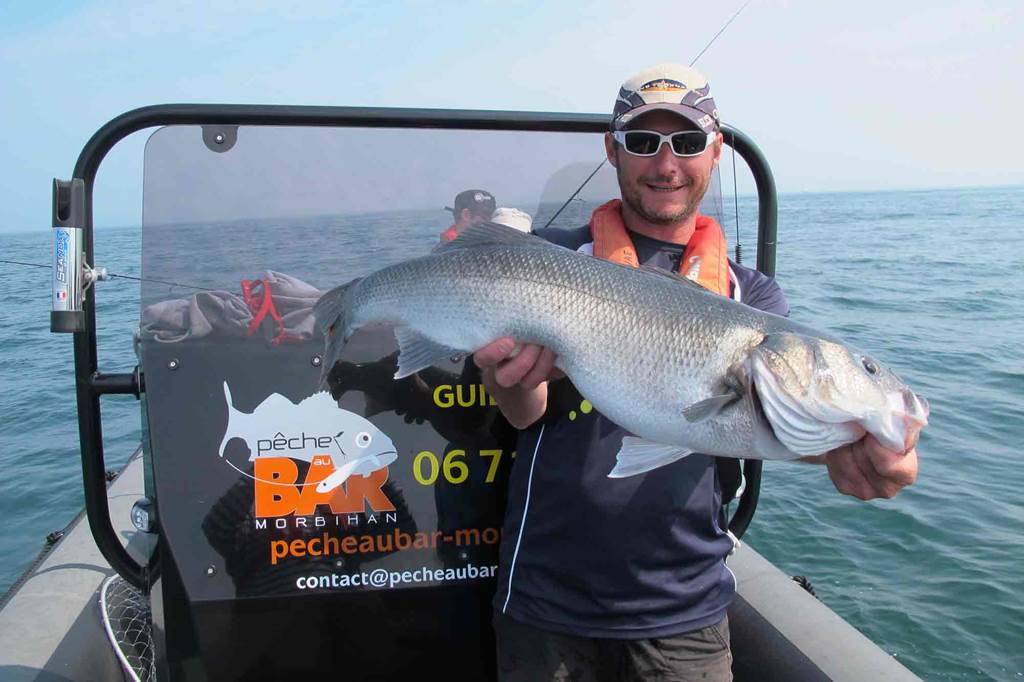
917	406
914	416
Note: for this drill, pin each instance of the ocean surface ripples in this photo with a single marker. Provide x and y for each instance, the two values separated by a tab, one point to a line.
929	282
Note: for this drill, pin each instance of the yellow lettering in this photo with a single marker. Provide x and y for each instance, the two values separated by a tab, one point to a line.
443	396
492	470
466	401
417	468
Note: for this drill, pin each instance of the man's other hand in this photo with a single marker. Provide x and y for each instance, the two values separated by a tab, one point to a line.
525	366
867	470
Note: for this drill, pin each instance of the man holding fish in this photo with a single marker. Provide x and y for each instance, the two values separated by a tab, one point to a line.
629	361
625	577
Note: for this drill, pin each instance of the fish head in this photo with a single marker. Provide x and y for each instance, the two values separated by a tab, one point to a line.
818	394
365	449
362	440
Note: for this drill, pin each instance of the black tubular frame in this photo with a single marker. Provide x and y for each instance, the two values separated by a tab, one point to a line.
91	384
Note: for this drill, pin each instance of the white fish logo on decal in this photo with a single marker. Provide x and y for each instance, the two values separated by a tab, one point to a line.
315	426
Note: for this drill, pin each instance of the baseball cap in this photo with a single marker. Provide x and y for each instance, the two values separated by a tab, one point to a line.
680	89
478	201
514	218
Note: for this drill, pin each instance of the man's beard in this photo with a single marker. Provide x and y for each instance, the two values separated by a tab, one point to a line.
631	197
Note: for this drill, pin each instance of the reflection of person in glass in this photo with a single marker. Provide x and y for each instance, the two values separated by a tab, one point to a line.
478	451
471	207
455	406
514	218
233	530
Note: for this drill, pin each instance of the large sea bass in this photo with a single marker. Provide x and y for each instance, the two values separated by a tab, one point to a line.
682	369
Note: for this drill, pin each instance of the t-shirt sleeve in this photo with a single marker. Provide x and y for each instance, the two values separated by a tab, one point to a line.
571	238
760	291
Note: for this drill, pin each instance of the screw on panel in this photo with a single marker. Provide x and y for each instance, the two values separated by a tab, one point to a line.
316	360
210	571
173	364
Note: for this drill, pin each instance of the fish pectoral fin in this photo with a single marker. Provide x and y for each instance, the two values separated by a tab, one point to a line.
416	352
638	456
709	407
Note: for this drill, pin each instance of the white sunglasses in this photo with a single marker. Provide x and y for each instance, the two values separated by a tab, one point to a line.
648	142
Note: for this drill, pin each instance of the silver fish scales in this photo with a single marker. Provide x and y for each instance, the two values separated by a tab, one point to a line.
682	369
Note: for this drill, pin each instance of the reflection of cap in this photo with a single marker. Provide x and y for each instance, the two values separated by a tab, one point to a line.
671	87
479	202
513	217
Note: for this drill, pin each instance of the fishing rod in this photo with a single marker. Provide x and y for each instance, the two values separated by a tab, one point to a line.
573	196
600	165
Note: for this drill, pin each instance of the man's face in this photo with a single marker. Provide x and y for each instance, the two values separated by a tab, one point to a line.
664	189
466	218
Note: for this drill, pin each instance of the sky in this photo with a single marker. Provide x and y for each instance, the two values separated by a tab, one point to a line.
839	96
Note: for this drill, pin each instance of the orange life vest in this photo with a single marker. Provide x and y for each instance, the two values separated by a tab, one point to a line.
705	260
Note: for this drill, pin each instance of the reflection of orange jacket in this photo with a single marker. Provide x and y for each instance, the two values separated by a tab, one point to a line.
706	259
449	234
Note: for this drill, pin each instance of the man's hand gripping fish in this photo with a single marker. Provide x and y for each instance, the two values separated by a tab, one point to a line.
682	369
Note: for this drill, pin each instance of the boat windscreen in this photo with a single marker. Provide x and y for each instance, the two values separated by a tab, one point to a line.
266	486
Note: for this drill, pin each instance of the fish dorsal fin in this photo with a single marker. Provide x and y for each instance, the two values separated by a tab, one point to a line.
490	234
675	276
638	456
416	352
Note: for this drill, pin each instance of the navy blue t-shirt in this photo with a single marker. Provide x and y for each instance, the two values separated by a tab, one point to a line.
628	558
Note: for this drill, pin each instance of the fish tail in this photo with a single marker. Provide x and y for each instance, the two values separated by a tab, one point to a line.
332	313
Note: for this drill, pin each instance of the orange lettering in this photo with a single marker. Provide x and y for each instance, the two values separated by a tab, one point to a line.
352	496
278	550
331	545
275	491
277	494
309	498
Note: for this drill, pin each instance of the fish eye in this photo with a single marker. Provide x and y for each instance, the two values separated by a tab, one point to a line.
363	439
869	365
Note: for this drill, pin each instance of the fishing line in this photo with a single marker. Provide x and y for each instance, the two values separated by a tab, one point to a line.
720	31
18	262
584	184
112	274
736	204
